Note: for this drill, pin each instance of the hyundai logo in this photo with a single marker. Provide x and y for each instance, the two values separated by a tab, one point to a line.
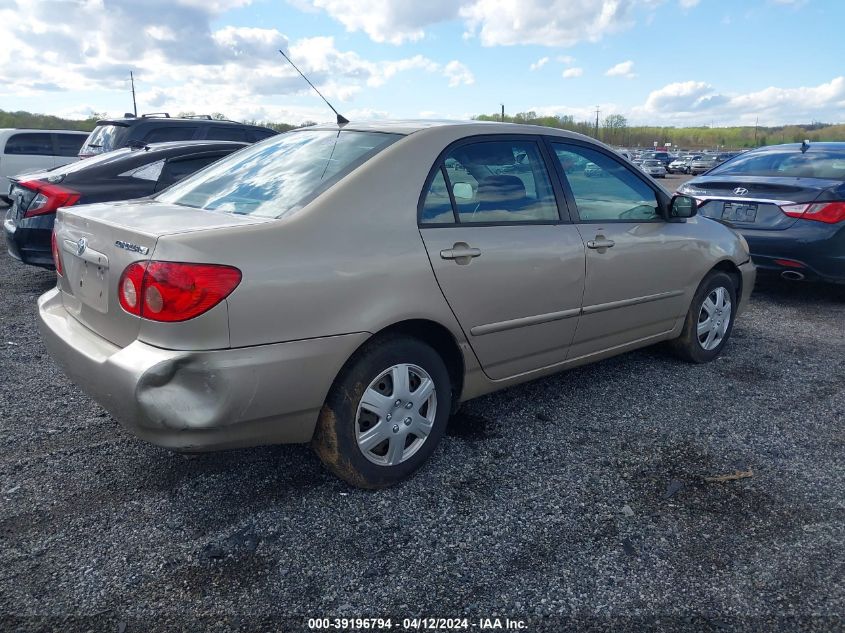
740	191
81	245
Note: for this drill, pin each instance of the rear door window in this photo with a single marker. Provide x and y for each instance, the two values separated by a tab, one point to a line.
226	133
31	144
68	144
493	182
177	168
170	133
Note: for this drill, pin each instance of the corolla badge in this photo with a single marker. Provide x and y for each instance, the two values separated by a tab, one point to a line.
129	246
81	245
740	191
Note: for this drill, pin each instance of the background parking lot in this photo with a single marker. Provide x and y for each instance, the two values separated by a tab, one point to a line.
577	496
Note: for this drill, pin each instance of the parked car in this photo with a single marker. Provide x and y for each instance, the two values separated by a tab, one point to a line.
703	163
788	202
32	150
593	170
653	168
350	287
119	175
681	165
128	131
663	157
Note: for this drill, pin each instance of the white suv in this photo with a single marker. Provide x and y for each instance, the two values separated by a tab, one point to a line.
35	150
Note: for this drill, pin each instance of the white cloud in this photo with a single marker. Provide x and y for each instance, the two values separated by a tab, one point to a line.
458	74
389	20
539	63
572	72
694	102
494	22
622	69
180	62
688	4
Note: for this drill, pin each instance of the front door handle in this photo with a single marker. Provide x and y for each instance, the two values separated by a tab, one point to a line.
600	242
461	252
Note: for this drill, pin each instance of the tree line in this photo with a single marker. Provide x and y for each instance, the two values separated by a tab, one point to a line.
614	130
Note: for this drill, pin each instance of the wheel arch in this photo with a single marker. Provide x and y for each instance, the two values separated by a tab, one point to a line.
727	266
441	340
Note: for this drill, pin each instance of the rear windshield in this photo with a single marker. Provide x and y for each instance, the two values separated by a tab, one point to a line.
279	175
104	138
792	163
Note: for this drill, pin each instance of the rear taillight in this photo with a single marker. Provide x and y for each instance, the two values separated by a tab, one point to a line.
827	212
173	291
57	258
48	197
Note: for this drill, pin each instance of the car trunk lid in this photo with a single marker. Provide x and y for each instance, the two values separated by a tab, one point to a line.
97	242
753	202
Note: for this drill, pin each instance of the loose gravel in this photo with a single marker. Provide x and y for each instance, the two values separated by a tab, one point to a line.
577	501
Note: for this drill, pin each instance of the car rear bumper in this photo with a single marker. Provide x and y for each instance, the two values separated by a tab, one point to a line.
208	400
29	245
814	249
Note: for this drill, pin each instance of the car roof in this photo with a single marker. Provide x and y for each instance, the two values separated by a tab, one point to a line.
30	129
172	120
411	126
818	146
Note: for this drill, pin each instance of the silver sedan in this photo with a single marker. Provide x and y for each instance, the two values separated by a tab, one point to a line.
352	286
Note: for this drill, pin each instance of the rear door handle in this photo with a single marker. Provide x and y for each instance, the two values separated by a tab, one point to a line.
461	252
600	242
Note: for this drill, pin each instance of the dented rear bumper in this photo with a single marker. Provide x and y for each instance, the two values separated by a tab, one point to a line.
204	400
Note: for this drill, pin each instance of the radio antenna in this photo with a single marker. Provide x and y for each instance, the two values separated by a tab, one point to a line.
341	120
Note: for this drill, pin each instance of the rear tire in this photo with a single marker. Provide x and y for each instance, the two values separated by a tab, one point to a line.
710	320
363	436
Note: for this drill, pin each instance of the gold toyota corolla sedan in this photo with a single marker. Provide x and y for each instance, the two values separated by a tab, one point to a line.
351	286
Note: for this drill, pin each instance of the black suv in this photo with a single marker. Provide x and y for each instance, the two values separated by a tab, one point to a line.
159	127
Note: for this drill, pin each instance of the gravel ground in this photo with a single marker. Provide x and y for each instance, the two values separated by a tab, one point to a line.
574	501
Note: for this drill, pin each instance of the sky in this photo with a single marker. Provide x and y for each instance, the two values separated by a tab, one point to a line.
657	62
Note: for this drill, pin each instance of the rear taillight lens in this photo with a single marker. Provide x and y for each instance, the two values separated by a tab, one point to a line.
174	291
57	258
827	212
48	197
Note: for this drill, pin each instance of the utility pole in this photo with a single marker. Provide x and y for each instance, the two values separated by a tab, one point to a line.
756	120
503	113
134	105
597	122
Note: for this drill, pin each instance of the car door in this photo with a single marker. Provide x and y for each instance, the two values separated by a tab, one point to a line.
505	255
638	266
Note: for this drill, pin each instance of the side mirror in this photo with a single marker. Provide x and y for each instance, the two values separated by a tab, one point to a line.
682	207
462	190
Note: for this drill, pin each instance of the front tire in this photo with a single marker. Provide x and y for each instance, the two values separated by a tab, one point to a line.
385	413
710	320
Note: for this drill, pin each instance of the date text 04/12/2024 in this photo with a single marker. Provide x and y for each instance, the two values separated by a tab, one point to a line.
417	624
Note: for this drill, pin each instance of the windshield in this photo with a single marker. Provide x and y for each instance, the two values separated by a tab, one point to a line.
279	175
789	163
104	138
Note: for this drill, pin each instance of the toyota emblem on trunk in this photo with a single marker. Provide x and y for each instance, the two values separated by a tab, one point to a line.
81	245
740	191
